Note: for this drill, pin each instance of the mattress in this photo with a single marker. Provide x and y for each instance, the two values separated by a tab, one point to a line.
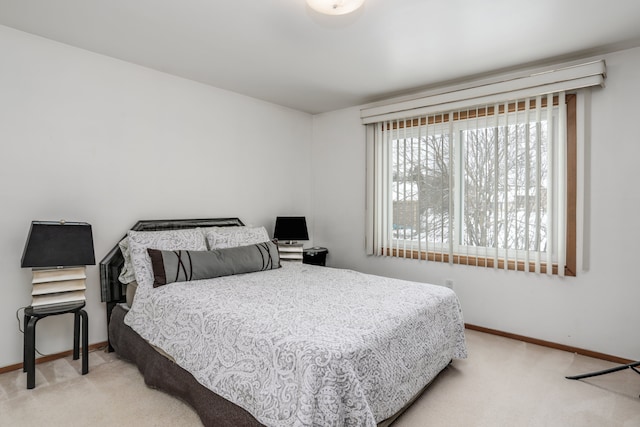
306	345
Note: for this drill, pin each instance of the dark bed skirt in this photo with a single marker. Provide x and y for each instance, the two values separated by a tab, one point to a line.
161	373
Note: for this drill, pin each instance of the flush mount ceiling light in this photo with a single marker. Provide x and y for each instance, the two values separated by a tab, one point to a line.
335	7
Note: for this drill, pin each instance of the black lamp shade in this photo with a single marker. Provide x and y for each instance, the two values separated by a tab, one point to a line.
291	228
58	244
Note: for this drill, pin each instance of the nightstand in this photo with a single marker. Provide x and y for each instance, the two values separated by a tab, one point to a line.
31	317
315	256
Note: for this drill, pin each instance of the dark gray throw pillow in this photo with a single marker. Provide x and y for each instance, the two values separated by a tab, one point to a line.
181	266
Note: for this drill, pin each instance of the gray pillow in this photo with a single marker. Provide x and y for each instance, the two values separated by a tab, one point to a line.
182	266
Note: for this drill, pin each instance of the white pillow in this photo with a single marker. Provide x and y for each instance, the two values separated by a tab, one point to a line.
167	240
126	274
232	237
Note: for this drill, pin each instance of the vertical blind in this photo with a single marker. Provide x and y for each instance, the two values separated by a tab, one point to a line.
484	185
476	173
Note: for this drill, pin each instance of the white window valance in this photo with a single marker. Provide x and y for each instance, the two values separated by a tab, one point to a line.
559	78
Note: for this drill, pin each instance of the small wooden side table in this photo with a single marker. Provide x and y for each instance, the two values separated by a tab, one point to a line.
31	317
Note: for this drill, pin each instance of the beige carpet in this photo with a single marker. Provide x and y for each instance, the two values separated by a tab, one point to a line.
502	383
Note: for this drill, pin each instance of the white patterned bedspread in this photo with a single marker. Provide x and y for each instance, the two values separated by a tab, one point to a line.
305	345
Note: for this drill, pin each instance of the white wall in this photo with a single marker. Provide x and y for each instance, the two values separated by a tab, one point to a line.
89	138
597	310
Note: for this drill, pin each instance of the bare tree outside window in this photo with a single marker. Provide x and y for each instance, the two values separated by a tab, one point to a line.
421	188
503	186
493	186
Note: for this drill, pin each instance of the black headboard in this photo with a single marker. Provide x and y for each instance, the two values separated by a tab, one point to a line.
113	291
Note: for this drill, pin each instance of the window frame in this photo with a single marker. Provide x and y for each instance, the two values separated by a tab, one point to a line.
401	250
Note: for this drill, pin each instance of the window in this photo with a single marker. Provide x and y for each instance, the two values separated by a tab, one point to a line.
493	185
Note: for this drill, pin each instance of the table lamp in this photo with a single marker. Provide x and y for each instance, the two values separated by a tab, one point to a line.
291	229
57	252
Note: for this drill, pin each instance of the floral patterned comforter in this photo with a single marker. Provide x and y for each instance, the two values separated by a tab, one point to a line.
305	345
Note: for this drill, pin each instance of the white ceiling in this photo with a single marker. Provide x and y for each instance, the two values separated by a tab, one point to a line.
283	52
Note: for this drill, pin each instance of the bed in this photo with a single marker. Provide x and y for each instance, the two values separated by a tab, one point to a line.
289	346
